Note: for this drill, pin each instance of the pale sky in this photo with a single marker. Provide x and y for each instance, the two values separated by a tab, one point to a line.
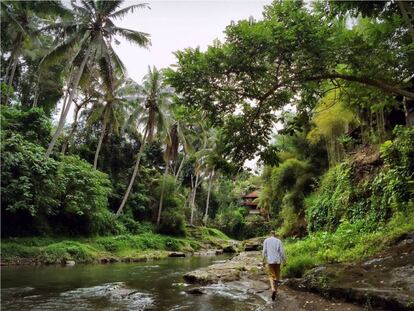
178	24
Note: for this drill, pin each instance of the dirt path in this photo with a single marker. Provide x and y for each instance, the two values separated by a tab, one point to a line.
292	300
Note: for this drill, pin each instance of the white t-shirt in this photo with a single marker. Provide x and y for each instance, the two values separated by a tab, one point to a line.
273	251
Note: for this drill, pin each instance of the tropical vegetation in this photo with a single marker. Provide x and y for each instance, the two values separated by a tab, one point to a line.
331	134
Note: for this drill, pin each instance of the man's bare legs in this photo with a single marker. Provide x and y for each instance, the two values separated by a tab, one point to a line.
273	286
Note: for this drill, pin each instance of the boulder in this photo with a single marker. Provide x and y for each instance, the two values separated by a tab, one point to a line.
231	249
195	291
244	264
254	244
70	262
176	254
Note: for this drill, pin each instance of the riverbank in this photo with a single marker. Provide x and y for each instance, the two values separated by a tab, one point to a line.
121	248
245	272
372	269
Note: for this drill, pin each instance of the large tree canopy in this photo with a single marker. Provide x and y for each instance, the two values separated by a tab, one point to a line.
286	59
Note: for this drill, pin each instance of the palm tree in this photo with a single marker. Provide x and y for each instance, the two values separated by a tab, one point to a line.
88	36
20	19
111	109
154	115
179	134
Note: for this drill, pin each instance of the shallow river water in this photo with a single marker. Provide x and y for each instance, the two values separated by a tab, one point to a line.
154	285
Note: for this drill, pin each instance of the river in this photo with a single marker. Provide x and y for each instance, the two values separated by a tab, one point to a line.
154	285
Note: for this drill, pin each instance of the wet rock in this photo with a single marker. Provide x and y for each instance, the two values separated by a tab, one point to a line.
176	254
244	264
375	261
195	291
70	262
231	249
254	244
211	252
220	251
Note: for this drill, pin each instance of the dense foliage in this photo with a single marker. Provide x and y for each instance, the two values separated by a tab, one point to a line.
330	132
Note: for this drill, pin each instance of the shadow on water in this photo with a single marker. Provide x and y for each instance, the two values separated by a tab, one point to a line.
155	285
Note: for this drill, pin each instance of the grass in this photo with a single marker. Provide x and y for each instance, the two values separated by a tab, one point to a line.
350	243
48	250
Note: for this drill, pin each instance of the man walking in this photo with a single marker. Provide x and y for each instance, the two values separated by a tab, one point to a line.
273	255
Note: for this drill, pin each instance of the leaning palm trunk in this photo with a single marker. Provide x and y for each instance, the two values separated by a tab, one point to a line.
69	138
67	105
14	59
98	149
134	174
408	15
162	193
210	182
193	200
10	82
177	175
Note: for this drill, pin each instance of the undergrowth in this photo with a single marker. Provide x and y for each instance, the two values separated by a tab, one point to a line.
351	242
58	250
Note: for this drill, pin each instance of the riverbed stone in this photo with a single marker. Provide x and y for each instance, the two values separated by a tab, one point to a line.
254	244
246	263
195	291
176	254
231	249
70	262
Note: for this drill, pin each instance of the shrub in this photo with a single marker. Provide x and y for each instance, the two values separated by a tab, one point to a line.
172	223
32	124
296	266
341	196
28	186
327	206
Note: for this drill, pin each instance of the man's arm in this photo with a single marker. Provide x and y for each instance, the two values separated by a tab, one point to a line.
282	253
264	252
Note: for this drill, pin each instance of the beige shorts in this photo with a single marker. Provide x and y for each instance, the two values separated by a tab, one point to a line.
273	270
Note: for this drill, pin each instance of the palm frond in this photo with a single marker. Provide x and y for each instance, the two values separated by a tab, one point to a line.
50	7
89	5
136	37
7	10
65	26
129	9
62	49
119	66
96	113
106	7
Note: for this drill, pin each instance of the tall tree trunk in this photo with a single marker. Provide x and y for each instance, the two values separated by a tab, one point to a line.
193	199
134	174
10	82
13	64
208	196
62	120
177	175
98	149
72	131
408	14
162	192
37	90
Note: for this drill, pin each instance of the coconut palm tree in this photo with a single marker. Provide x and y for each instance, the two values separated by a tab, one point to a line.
153	114
88	37
179	135
111	108
21	20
